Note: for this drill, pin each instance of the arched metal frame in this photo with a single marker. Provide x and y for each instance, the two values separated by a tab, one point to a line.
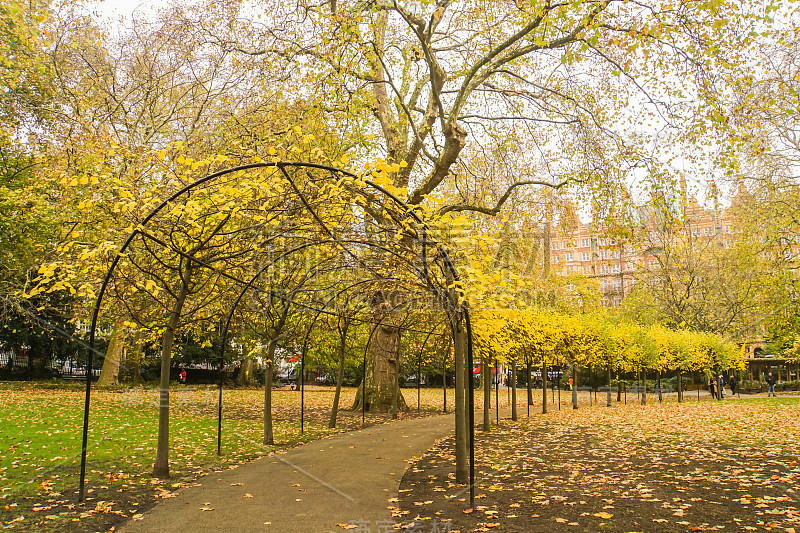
458	311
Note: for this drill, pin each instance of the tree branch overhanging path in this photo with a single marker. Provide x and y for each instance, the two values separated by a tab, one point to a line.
430	82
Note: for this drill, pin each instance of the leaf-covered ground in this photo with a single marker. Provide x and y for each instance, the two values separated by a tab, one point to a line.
697	466
40	437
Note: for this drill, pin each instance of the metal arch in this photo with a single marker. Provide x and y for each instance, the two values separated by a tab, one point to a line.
448	265
419	360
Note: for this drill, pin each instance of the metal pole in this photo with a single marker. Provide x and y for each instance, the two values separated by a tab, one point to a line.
471	400
559	385
219	399
497	391
419	377
528	382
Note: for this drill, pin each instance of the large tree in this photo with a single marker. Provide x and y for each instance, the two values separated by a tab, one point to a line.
435	80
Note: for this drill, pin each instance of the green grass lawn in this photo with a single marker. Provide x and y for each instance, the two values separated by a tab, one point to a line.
40	435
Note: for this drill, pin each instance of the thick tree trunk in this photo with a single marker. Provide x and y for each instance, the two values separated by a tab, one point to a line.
487	394
462	463
608	394
133	359
109	375
247	372
161	467
680	387
514	390
380	376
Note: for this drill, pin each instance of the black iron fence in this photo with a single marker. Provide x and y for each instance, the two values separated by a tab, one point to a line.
21	365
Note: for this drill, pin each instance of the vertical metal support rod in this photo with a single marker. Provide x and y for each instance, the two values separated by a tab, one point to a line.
497	391
85	437
471	414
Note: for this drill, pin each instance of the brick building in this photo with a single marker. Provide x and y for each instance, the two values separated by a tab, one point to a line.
616	264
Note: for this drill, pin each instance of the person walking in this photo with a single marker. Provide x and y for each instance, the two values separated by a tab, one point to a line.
733	382
721	386
770	385
712	387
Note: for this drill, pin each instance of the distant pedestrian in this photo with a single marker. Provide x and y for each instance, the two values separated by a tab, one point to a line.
733	382
570	383
712	387
721	386
770	385
182	377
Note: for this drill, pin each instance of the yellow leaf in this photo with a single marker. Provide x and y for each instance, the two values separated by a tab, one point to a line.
603	515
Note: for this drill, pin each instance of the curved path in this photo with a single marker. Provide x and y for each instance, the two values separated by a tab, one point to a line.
347	479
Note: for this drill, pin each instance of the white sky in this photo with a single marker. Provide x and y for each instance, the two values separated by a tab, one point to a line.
111	11
118	12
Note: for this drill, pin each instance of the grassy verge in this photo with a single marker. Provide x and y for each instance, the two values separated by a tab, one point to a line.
40	435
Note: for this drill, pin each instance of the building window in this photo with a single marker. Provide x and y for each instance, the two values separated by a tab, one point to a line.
586	270
604	254
709	232
585	256
615	268
584	243
604	269
555	259
569	256
554	245
695	232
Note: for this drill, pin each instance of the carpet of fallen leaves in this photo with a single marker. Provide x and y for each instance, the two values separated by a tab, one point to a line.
696	466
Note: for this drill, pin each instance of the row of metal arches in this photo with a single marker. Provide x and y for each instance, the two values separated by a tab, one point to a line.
436	276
